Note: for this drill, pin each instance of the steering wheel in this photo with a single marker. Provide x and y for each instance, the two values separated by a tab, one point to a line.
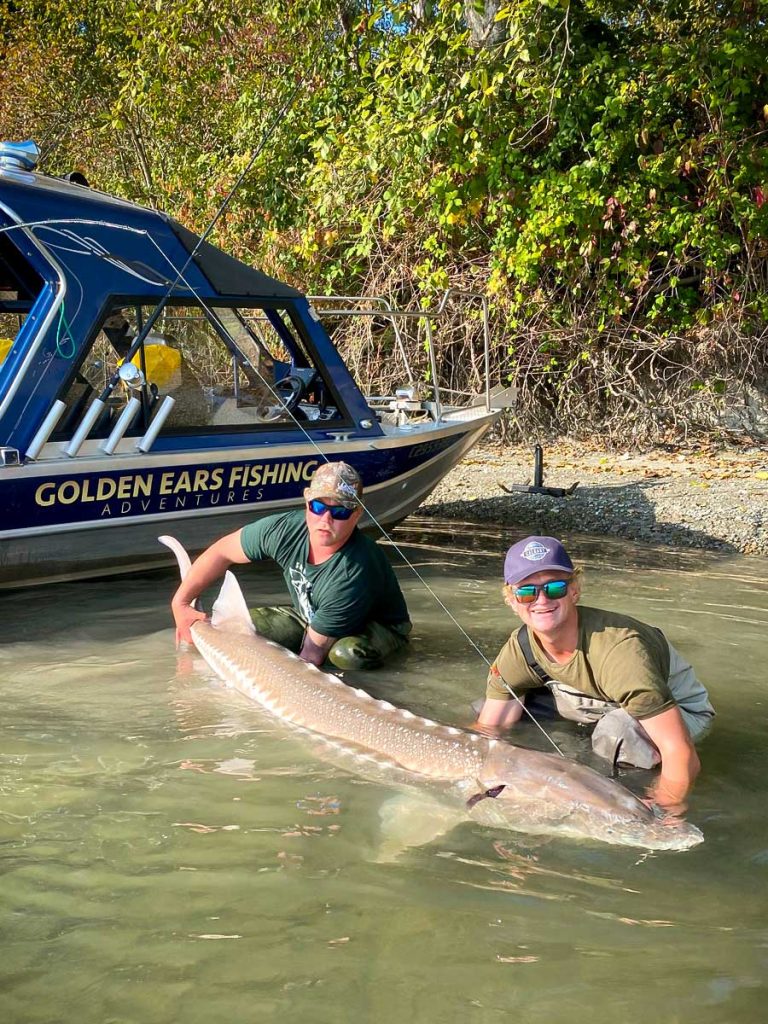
290	390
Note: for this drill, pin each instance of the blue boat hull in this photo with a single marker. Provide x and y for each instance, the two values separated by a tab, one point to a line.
105	518
151	383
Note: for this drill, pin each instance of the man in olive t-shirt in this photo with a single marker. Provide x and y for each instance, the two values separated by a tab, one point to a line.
600	667
347	603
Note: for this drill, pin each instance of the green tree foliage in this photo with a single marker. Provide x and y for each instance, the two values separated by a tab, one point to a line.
601	171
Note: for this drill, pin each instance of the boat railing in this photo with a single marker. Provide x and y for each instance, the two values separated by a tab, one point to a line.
408	405
380	306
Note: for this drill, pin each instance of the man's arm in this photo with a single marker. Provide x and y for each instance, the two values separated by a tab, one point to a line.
316	646
679	761
499	714
210	566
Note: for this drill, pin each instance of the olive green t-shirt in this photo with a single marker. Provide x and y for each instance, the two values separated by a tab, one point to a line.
618	659
341	596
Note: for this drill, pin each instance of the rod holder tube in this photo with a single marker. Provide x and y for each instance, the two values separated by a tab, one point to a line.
46	429
162	414
127	416
95	409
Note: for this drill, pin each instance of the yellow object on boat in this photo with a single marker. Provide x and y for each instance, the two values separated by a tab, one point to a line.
163	365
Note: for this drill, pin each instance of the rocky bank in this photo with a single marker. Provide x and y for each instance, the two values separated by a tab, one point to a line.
711	496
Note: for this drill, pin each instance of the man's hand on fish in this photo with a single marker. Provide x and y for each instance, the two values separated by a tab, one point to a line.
185	615
670	796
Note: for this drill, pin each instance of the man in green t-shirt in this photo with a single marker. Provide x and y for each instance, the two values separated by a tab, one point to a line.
600	667
347	605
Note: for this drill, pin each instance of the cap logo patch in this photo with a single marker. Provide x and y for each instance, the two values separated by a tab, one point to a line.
534	552
344	488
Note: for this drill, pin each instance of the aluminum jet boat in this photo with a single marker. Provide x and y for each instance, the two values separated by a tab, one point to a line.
148	377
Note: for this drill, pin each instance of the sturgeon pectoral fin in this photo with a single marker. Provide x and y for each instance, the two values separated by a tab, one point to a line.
413	820
485	795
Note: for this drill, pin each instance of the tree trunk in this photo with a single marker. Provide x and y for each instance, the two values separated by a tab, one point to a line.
484	30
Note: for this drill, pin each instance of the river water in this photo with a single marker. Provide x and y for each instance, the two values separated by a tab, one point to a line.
169	854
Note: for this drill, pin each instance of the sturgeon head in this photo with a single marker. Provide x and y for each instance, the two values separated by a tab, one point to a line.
531	791
498	784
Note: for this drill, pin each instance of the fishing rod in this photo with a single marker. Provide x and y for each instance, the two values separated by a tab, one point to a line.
161	304
159	308
308	437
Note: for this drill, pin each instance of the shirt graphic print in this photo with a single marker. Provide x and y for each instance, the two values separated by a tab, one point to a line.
302	587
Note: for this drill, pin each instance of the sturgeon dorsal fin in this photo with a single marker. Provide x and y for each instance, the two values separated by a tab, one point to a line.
230	612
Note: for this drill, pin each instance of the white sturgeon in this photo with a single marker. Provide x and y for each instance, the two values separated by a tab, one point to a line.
477	778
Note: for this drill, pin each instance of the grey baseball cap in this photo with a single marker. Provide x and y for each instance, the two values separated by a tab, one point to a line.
535	554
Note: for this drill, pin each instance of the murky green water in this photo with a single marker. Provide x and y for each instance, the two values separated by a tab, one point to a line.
168	854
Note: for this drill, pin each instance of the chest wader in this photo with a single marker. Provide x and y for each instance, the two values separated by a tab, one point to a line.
617	736
367	649
571	704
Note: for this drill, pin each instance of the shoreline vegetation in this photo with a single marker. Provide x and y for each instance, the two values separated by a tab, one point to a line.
601	178
708	496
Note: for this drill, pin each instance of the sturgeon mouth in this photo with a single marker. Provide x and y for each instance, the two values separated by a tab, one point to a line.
488	794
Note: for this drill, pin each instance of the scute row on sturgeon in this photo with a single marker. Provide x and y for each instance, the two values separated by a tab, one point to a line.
527	790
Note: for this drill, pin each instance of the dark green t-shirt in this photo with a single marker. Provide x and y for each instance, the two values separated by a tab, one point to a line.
618	659
340	597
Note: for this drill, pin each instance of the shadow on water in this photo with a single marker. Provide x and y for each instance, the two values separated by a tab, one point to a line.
127	605
490	537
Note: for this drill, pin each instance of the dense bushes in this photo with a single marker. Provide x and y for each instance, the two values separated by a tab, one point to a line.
601	173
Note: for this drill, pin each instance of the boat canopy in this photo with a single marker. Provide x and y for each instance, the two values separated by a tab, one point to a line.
228	275
83	272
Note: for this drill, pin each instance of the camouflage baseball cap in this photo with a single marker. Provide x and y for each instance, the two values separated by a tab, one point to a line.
336	481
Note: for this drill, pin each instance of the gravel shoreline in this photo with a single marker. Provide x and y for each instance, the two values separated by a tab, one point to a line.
712	497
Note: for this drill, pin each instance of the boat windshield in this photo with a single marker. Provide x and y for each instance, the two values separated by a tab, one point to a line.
226	369
10	325
19	287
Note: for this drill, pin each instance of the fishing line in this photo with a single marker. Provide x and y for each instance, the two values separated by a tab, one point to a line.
373	518
243	174
140	337
154	315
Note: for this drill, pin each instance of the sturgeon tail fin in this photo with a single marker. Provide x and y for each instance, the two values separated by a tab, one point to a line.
185	562
230	612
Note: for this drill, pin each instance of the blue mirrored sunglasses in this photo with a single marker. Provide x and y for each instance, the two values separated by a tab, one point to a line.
528	593
319	508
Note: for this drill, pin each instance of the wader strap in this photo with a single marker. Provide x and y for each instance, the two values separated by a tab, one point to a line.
525	646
